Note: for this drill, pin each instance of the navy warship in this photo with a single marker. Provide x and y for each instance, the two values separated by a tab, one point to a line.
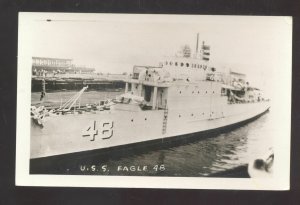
183	96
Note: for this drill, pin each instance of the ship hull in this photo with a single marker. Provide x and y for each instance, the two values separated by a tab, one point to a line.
69	134
50	164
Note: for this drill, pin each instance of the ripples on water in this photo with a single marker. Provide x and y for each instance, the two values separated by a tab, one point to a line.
199	158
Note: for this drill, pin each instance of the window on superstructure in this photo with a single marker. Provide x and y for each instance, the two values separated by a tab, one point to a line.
176	64
187	65
182	64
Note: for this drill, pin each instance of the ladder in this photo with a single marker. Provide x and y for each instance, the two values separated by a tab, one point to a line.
165	120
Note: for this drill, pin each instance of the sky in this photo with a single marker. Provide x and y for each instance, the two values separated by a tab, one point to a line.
256	46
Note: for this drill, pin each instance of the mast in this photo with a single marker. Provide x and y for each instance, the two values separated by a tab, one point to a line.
197	45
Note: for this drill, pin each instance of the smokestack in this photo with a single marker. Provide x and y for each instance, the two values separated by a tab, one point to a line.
205	51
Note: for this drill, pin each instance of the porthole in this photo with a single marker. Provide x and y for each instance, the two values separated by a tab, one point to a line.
181	64
179	92
192	114
205	91
171	63
131	120
179	115
200	66
193	92
145	118
213	91
187	65
198	92
166	62
176	64
203	113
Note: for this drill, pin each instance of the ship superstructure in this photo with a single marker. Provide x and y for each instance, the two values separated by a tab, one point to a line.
183	95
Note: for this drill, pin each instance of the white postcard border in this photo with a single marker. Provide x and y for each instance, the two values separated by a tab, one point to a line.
280	181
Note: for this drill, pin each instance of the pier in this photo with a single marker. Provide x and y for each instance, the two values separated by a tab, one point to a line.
77	82
62	74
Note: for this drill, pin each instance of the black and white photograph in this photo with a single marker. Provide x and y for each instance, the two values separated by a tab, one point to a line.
154	101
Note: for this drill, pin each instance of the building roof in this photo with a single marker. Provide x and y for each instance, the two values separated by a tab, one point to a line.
51	58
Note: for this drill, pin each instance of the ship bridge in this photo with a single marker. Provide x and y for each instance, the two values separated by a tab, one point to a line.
183	68
186	64
153	82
